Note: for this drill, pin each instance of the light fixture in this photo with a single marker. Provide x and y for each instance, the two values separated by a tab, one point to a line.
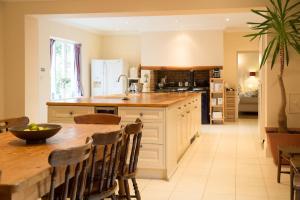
252	74
227	19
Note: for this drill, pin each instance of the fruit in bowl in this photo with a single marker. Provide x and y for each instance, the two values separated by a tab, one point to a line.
36	127
35	133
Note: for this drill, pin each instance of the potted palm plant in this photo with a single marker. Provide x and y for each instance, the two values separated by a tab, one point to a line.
282	24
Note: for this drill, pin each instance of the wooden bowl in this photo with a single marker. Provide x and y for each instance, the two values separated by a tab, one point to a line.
35	137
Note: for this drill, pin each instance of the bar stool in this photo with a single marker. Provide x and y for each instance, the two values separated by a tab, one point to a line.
97	119
128	167
64	160
102	178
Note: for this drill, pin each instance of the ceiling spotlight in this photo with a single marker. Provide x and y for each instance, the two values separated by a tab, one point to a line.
227	19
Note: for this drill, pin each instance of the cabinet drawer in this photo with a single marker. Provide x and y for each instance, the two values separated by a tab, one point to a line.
151	156
153	133
65	114
145	114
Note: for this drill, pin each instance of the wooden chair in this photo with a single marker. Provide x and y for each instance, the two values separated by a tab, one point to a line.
296	187
5	124
128	166
66	159
284	156
98	119
102	180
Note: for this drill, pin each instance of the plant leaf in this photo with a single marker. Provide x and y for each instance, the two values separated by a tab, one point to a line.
267	52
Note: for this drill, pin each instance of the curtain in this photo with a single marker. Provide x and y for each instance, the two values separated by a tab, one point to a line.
77	65
52	41
52	67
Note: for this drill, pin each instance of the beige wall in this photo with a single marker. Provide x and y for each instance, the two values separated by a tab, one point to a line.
182	48
292	82
14	29
38	86
1	62
234	42
127	47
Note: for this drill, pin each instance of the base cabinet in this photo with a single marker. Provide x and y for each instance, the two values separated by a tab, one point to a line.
167	132
66	114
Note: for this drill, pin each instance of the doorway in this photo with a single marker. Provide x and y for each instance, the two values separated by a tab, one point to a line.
248	84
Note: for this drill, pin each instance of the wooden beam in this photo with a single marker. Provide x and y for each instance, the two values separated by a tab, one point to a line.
195	68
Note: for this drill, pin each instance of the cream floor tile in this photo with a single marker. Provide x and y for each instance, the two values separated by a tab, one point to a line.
251	190
225	163
213	196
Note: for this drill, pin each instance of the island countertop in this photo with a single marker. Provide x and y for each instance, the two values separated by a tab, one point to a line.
135	100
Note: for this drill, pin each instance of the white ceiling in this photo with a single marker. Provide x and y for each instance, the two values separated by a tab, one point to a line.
136	24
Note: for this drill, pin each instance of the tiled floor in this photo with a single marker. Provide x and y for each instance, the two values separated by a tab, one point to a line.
225	163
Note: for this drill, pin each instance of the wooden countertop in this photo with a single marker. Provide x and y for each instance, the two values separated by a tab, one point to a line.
26	166
135	100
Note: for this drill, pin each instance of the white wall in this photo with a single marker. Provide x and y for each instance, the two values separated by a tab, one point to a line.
1	61
39	86
188	48
127	47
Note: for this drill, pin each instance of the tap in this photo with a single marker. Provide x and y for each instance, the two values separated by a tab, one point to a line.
127	83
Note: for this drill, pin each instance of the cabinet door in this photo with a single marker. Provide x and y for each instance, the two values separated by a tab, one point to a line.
179	134
185	131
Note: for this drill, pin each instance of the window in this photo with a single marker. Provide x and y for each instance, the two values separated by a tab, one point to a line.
64	81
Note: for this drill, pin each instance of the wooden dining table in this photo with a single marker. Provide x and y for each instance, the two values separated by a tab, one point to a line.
25	169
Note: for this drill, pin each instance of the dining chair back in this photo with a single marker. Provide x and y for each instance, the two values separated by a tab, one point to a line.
5	124
98	118
130	156
66	159
105	163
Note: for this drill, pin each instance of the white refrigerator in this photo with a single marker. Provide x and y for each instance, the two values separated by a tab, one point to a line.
104	77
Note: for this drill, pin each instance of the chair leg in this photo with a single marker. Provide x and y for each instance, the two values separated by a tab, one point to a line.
136	189
279	166
127	190
292	192
297	196
113	197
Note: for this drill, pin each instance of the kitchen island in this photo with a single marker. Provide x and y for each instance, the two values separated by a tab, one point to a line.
171	121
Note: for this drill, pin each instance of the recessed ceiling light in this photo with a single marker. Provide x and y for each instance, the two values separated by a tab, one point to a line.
227	19
177	21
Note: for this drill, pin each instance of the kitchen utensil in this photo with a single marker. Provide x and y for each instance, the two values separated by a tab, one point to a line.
180	84
186	84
